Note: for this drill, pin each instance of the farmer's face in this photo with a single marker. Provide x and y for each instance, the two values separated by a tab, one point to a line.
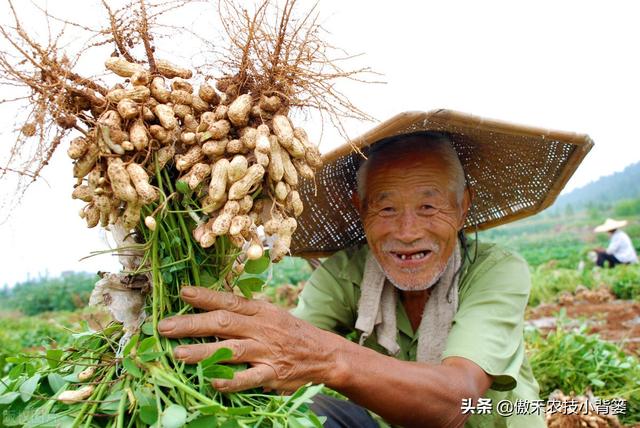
411	217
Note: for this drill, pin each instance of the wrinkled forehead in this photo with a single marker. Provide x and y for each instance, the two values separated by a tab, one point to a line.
409	156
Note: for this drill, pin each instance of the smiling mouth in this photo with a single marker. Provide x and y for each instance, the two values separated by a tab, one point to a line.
418	255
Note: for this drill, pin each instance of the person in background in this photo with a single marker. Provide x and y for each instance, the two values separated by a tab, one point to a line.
620	249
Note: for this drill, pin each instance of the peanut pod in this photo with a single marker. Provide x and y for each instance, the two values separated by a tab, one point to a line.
83	192
283	130
312	154
281	191
128	109
290	173
180	84
122	67
91	215
218	182
263	144
271	104
248	137
198	173
208	94
241	187
239	223
215	147
169	70
141	78
246	204
164	155
276	168
186	161
86	162
120	181
166	116
294	203
131	215
237	168
77	148
138	135
179	96
234	147
304	170
140	180
239	109
138	93
159	91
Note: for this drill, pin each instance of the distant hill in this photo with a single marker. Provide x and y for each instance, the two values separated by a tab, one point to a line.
605	191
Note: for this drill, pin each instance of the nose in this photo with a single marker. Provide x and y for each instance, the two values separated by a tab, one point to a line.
408	228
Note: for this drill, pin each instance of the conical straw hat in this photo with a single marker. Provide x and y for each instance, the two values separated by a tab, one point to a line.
515	171
610	224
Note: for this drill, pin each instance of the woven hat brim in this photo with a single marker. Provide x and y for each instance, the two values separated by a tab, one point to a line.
515	171
610	225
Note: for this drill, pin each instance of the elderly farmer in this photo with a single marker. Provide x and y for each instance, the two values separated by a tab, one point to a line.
439	320
620	249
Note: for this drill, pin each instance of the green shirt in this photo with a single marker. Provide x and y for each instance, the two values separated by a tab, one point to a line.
487	328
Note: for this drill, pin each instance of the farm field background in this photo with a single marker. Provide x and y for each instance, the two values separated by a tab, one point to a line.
582	323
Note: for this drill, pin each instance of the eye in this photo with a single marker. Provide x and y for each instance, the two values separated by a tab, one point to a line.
387	210
427	208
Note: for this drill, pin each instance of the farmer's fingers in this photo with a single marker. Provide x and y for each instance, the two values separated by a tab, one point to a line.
242	351
256	376
223	324
203	298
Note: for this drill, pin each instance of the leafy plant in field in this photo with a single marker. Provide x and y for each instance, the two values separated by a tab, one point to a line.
574	362
626	284
549	281
21	334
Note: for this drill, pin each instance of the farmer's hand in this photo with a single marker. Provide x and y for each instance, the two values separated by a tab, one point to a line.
284	352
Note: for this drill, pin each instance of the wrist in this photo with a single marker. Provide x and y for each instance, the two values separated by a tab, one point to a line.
338	370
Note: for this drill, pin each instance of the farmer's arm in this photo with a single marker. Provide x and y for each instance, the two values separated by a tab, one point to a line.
285	353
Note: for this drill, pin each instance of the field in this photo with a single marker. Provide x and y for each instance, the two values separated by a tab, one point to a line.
582	328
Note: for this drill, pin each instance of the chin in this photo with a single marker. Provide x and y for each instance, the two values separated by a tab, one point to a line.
406	282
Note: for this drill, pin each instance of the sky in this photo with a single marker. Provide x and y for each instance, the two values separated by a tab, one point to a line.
566	65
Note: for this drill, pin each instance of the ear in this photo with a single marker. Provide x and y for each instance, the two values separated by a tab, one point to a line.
467	198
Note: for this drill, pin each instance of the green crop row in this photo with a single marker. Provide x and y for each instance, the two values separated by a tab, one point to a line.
574	361
548	281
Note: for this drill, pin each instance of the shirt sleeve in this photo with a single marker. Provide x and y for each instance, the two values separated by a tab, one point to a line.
328	300
616	244
488	327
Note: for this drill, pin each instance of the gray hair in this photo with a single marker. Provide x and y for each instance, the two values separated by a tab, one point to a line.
430	142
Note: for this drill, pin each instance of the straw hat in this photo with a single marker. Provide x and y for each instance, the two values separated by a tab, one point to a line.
515	171
610	224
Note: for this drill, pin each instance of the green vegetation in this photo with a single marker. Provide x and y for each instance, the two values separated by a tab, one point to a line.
67	292
548	281
574	362
291	270
31	334
627	208
626	283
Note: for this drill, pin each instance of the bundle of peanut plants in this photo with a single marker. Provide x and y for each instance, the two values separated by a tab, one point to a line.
195	176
